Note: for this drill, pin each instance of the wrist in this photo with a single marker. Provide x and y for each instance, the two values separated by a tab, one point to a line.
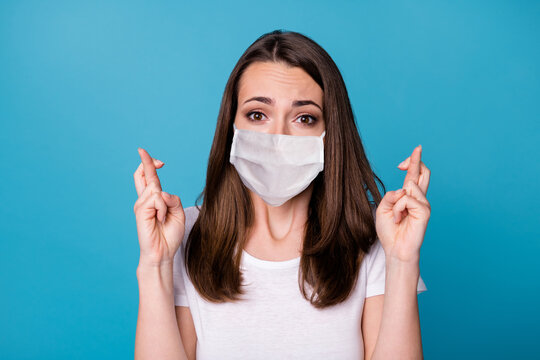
149	267
149	262
410	265
155	279
402	274
410	259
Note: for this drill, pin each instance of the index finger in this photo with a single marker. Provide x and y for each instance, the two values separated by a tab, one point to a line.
413	173
150	172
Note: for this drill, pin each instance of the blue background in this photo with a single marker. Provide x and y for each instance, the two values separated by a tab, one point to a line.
83	84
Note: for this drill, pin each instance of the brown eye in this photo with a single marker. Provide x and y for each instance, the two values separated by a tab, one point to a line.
255	116
307	119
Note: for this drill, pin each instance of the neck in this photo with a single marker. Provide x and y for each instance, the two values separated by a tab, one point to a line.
278	231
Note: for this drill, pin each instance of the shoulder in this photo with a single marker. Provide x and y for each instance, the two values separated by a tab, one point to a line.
191	213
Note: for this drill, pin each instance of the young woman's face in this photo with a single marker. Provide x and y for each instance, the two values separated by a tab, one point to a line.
279	99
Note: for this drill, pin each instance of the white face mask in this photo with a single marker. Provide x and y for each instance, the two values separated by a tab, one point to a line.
276	167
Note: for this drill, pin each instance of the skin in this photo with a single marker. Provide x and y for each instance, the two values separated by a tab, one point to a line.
390	322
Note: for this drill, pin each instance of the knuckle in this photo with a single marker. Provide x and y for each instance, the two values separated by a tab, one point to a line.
148	189
159	200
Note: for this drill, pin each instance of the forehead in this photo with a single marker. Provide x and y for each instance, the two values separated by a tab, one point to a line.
278	80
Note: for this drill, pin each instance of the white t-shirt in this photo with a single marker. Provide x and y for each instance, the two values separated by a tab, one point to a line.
276	321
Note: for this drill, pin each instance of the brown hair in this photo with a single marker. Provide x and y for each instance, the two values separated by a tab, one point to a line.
340	227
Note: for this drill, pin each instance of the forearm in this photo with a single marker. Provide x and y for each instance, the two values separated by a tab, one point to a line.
157	335
399	334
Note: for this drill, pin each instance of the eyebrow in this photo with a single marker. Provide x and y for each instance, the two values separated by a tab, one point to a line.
295	103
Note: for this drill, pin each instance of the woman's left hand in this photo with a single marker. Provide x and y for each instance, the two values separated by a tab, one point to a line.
402	216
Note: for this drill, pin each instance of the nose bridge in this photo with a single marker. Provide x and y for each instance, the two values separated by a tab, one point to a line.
280	123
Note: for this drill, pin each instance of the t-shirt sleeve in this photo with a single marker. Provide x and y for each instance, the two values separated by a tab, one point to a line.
179	271
376	272
180	297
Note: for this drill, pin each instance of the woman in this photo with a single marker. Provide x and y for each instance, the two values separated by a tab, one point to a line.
287	257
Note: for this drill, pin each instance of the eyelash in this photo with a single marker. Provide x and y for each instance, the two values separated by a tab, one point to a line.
314	119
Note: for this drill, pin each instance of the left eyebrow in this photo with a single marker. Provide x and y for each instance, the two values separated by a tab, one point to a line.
305	102
295	103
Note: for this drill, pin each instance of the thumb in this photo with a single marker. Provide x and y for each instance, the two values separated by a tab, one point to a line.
390	198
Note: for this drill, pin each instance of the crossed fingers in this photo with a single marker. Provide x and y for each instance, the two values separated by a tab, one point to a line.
417	172
146	172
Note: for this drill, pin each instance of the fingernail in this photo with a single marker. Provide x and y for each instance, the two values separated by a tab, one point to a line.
401	163
160	162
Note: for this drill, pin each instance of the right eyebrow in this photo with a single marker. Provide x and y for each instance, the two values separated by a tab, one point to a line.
262	99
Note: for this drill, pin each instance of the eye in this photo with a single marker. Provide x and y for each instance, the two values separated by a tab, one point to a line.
307	119
257	115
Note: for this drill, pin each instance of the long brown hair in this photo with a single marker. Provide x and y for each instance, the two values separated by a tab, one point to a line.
340	227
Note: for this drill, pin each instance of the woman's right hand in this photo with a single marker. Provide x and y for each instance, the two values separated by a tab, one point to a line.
160	216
